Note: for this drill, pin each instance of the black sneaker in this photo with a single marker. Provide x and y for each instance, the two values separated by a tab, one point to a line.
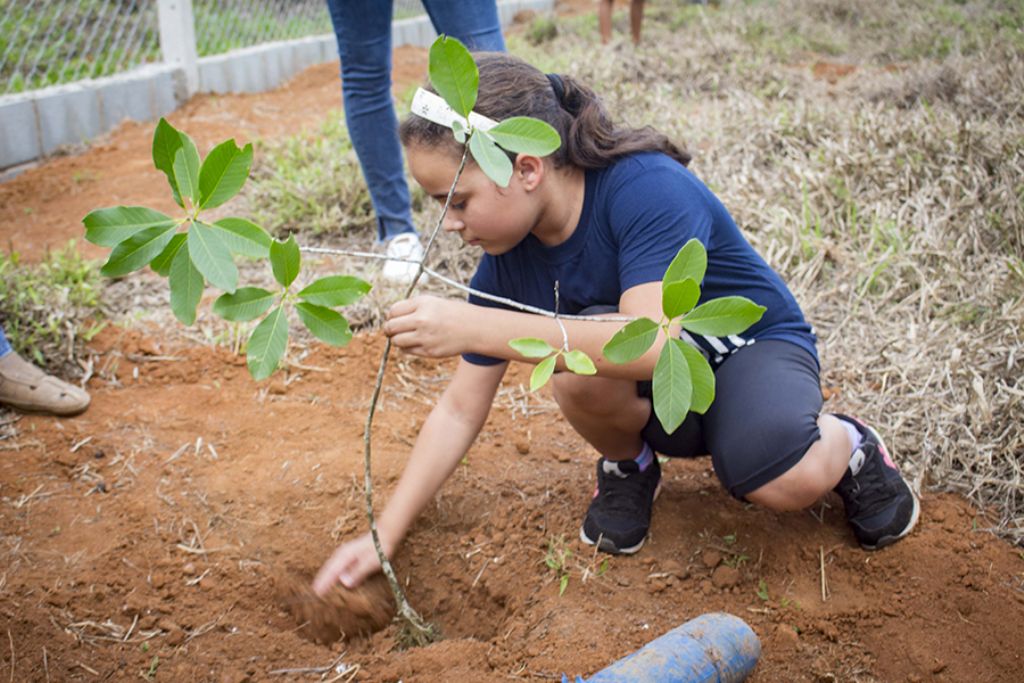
880	505
620	513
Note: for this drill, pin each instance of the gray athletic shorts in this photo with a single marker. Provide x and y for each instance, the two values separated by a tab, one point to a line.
762	421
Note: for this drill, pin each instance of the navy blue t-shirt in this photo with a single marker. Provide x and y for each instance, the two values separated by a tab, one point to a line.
637	214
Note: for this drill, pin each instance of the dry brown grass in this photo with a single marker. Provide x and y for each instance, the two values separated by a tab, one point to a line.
891	199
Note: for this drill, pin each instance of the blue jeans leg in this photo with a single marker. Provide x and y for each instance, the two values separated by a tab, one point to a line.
474	22
5	346
363	32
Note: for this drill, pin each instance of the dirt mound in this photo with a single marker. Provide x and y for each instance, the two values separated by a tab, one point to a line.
342	614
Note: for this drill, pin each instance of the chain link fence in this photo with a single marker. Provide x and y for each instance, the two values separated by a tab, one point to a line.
47	42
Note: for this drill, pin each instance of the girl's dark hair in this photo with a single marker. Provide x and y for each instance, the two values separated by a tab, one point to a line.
511	87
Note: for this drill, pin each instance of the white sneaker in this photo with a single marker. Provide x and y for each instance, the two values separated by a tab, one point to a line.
404	253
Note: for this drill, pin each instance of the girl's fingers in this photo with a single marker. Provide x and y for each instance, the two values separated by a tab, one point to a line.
405	340
394	326
367	565
403	307
333	569
350	564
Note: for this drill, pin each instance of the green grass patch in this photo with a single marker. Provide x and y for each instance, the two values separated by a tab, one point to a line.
311	183
49	310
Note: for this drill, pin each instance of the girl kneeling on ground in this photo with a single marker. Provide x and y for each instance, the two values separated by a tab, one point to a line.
603	217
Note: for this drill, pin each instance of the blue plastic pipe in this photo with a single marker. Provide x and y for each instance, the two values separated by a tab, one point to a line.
716	647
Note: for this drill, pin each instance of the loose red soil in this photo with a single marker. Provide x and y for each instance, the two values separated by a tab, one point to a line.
342	614
155	524
143	538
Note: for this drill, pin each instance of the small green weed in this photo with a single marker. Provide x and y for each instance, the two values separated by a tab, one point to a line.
762	590
1016	266
736	560
153	665
733	555
557	560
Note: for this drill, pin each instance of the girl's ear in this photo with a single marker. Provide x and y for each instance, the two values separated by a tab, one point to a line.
529	171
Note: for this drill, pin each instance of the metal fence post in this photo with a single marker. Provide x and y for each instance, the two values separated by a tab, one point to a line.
178	39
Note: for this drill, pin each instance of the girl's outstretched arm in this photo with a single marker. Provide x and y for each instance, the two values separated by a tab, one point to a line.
443	440
436	328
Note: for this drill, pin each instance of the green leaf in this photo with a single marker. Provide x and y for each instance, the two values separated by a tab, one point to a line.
531	347
579	362
243	237
285	260
459	131
724	316
166	143
161	265
186	287
679	297
632	341
526	135
691	262
211	256
137	250
247	303
453	74
267	344
223	173
542	372
491	159
326	325
671	387
335	290
111	226
701	376
186	169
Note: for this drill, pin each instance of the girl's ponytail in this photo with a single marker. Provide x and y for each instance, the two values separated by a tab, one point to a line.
594	141
511	87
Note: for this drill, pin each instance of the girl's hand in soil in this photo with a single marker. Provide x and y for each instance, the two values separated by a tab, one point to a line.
429	326
351	564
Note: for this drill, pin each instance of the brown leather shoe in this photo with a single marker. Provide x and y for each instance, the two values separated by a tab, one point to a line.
26	387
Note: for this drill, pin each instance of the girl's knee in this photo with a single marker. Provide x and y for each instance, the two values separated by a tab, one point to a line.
572	390
593	395
798	478
799	487
786	494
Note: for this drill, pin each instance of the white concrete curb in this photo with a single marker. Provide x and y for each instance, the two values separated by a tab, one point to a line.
36	123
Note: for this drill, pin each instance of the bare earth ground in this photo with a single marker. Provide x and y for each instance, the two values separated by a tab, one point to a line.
144	538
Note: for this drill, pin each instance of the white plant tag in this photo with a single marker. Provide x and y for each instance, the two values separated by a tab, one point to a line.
433	108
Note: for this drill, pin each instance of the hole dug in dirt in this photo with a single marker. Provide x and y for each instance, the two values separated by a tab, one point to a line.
457	608
461	568
342	614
